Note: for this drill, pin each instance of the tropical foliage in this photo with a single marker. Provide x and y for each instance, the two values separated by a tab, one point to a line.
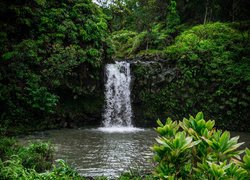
211	72
194	149
32	161
52	55
49	50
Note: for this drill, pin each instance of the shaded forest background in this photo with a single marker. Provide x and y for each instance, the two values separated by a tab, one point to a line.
52	55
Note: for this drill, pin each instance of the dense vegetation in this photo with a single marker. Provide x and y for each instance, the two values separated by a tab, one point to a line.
211	72
193	149
31	162
52	54
205	46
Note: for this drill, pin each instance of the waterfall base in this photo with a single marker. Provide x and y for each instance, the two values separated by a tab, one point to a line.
118	129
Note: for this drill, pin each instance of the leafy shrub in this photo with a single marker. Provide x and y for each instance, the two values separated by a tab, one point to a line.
13	169
128	176
129	43
7	147
37	156
194	149
60	170
31	162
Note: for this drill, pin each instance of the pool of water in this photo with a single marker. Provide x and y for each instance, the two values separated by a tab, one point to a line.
108	152
97	152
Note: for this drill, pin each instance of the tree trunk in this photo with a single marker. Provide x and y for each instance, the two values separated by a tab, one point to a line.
235	10
206	12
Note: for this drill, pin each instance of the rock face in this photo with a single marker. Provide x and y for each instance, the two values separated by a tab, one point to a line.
162	88
149	76
82	100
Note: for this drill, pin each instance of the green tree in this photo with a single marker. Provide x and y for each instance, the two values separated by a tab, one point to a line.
173	18
48	47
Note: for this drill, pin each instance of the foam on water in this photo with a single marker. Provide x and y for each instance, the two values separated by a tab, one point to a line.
119	129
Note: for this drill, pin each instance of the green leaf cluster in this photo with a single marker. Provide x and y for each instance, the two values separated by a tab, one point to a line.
194	149
129	43
33	161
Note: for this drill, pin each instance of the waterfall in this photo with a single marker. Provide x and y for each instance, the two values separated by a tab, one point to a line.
118	111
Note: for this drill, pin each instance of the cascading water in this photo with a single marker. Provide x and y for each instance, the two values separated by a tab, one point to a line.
118	111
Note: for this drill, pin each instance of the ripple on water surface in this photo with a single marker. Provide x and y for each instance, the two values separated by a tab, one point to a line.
103	151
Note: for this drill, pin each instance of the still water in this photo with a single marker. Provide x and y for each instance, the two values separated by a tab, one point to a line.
97	152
